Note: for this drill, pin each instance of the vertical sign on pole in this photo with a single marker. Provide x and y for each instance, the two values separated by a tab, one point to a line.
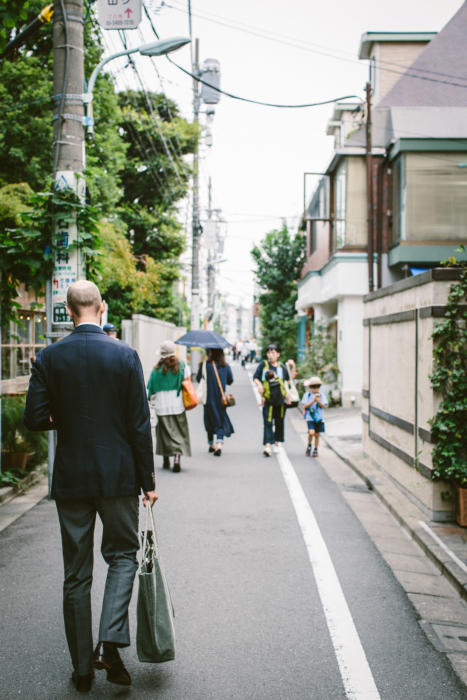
69	261
119	14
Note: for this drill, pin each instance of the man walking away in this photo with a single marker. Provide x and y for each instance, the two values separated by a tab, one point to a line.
90	388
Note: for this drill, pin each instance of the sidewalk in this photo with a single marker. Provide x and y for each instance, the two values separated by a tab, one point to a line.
444	543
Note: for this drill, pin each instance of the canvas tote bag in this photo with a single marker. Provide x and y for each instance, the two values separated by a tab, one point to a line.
155	632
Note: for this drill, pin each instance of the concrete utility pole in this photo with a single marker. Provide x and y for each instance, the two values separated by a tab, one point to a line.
68	142
369	188
68	161
195	226
211	258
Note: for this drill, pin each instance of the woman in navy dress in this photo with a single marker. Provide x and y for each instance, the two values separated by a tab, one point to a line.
216	420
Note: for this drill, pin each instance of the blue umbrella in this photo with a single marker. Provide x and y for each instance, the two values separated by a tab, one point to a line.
203	339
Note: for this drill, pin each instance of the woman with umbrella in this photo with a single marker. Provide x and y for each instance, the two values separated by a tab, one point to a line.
216	374
216	421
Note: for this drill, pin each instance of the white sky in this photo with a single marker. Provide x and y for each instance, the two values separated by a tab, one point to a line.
259	154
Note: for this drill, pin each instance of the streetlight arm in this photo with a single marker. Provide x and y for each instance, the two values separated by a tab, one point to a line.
97	69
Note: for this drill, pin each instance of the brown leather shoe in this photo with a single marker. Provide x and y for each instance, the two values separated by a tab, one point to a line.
106	656
177	460
83	684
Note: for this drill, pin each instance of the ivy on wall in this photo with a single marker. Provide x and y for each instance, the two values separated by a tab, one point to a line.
448	427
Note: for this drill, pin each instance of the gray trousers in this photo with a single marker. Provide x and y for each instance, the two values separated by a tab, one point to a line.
119	547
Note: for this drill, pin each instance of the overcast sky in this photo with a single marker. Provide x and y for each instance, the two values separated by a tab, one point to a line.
291	52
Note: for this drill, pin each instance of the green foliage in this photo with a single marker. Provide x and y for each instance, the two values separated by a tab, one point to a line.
13	16
321	354
130	173
279	259
9	479
16	437
27	246
448	427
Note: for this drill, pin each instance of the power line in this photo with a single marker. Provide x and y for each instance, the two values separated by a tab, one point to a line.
329	52
259	102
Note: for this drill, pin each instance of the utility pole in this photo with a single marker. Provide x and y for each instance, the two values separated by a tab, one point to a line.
211	258
369	188
195	226
68	162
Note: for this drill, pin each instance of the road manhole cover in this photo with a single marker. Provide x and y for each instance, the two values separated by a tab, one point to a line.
446	636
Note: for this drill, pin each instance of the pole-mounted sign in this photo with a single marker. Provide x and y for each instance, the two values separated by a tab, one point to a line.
119	14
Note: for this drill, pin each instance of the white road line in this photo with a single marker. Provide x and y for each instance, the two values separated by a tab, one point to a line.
355	672
455	558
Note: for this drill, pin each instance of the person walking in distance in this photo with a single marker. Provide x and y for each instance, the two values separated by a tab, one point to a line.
273	423
313	402
165	384
110	330
216	421
90	388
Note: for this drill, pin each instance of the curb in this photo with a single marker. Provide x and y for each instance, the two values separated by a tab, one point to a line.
16	502
7	493
407	514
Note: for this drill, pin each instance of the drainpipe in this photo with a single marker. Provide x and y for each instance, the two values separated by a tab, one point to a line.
369	188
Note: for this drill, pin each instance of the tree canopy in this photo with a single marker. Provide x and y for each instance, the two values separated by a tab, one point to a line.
136	170
279	259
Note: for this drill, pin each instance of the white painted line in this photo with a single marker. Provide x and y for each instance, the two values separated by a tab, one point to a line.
353	665
255	389
455	558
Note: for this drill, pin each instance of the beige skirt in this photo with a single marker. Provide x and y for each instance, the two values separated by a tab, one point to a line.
172	435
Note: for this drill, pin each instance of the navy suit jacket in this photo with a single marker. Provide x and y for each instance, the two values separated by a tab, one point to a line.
93	387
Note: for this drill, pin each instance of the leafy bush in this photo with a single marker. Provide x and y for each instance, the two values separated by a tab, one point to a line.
450	380
16	437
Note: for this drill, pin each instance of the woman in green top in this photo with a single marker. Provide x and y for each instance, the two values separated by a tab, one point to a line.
165	384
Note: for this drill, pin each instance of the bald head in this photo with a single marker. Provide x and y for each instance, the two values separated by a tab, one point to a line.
84	301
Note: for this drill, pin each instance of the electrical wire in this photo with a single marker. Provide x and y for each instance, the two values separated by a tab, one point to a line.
259	102
306	46
156	119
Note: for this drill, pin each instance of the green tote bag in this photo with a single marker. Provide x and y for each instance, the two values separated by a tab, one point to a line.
155	632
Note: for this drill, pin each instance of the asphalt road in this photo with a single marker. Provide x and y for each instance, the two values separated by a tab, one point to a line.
265	608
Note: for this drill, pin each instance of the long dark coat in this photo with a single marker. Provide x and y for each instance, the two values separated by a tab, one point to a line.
93	387
215	413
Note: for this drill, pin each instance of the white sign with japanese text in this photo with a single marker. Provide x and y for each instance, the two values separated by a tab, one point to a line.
69	263
119	14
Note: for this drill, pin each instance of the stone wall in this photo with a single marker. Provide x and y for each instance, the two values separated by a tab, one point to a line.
145	335
398	400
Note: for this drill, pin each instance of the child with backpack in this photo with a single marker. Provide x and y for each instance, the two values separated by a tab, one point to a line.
313	402
273	420
274	396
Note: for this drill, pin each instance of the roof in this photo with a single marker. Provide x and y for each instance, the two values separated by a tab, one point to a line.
438	76
369	38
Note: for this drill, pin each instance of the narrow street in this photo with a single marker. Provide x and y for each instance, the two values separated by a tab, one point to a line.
262	612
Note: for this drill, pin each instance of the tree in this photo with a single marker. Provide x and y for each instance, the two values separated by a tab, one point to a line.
136	171
26	86
154	179
279	259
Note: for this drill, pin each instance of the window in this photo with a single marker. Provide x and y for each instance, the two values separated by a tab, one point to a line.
20	344
436	197
341	201
429	197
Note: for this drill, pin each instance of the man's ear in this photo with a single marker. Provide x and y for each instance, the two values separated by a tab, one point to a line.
102	307
70	313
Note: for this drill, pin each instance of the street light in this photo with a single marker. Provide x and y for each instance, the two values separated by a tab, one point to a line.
157	48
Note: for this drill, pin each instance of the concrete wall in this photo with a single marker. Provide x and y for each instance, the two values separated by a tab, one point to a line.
145	335
350	349
398	400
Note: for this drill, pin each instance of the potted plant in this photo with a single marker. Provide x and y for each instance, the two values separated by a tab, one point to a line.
20	446
450	380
